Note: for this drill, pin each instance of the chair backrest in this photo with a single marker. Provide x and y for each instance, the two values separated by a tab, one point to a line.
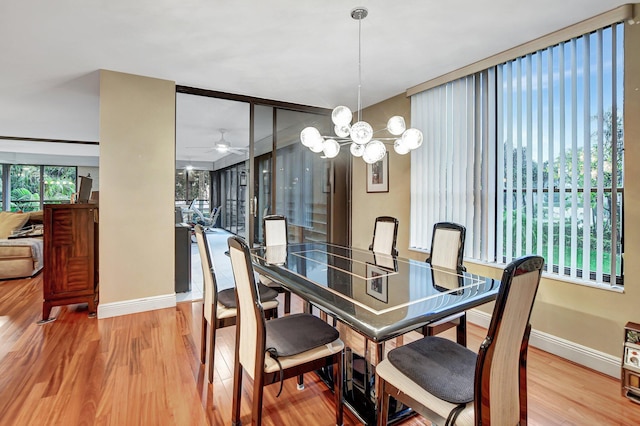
447	246
213	216
275	230
276	255
250	323
385	233
199	219
208	275
503	352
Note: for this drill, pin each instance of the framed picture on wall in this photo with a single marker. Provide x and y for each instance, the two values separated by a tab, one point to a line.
378	176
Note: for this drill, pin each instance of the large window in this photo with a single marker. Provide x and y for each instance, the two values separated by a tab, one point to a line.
59	183
30	186
560	126
25	187
193	187
232	183
528	155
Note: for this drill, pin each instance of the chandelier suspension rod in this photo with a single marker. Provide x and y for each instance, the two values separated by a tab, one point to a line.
360	65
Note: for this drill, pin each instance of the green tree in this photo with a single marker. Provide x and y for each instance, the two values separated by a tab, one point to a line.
574	177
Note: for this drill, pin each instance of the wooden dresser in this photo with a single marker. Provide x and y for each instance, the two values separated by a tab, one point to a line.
70	256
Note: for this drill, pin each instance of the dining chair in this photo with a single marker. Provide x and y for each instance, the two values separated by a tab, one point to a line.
219	308
452	385
272	351
447	251
385	234
275	234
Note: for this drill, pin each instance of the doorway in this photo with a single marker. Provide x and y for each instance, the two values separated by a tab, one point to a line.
251	149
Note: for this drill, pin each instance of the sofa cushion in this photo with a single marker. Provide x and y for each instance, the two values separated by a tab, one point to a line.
20	257
10	222
17	268
36	217
9	252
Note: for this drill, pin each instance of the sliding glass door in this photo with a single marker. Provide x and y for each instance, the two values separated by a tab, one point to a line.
262	194
303	185
233	191
258	165
263	168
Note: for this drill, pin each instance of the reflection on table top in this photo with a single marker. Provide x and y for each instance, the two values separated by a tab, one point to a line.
378	295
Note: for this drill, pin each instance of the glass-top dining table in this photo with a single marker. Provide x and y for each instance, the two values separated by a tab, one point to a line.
378	296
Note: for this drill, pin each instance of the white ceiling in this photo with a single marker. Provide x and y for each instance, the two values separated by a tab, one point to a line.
297	51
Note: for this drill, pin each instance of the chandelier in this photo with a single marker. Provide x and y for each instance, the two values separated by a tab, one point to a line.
360	135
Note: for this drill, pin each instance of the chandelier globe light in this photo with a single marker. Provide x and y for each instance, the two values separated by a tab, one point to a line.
360	135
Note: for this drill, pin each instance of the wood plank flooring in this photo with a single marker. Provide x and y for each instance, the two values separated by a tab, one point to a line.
144	369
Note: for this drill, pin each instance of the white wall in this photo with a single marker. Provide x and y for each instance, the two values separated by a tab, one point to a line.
137	167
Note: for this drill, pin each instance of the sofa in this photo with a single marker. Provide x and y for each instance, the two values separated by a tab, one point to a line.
21	257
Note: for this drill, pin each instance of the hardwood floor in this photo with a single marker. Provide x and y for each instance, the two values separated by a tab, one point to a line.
144	369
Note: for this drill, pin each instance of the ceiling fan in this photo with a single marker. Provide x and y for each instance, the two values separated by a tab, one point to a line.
223	146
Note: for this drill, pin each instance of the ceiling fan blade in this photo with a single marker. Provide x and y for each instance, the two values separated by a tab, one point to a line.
207	149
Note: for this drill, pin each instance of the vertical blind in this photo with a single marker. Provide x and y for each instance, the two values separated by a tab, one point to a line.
561	129
450	177
528	156
294	177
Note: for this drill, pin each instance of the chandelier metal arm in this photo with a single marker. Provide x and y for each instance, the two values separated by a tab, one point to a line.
386	141
343	141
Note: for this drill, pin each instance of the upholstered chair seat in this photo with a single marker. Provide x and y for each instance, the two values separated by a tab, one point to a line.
450	385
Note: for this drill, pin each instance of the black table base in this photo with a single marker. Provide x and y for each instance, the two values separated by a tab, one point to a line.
359	391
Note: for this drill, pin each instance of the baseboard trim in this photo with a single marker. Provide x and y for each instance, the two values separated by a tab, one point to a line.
588	357
134	306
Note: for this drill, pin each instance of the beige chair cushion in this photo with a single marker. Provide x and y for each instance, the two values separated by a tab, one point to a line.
20	257
16	268
270	365
10	222
12	252
395	377
224	312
